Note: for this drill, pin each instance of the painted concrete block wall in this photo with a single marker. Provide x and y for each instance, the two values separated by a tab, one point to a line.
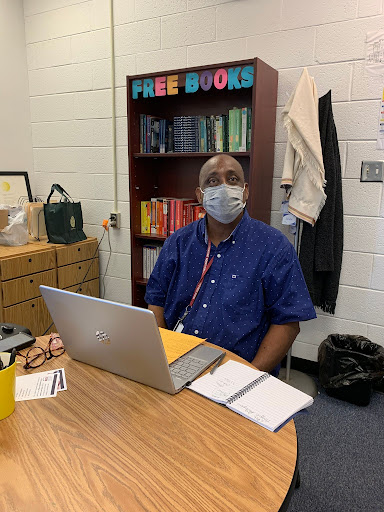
69	79
15	122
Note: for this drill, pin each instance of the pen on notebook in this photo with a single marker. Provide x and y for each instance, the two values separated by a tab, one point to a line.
218	363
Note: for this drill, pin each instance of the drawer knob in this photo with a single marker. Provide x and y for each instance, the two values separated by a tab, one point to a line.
80	267
79	249
30	260
31	280
33	305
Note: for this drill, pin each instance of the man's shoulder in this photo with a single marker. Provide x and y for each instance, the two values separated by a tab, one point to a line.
266	233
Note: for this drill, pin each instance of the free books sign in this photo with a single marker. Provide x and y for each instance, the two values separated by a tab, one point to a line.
231	78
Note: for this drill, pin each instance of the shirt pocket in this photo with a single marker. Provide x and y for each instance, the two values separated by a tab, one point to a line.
242	293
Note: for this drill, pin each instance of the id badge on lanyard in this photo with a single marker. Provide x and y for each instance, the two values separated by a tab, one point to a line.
179	324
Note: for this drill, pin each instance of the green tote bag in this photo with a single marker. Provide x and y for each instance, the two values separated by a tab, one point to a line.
63	220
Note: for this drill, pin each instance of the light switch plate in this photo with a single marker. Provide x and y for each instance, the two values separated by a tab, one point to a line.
372	170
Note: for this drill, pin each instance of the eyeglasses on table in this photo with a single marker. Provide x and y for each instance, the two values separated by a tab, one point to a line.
36	356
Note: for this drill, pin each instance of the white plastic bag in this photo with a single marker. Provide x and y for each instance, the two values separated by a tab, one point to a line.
16	233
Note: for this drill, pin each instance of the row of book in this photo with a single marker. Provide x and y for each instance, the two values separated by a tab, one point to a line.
188	134
156	135
150	255
163	216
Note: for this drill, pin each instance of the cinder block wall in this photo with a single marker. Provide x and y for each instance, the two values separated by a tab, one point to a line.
68	51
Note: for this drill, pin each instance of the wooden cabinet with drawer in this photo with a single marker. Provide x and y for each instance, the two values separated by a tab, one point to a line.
22	270
74	267
78	263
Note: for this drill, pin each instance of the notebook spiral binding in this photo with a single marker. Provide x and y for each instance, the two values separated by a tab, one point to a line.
247	388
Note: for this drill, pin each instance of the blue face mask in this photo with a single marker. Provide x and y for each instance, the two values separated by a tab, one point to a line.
223	202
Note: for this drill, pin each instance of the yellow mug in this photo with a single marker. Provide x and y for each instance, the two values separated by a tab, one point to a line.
7	386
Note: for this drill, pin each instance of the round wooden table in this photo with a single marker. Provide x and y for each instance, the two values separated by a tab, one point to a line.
111	444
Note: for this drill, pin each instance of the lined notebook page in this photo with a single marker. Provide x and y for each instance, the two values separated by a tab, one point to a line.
225	381
271	403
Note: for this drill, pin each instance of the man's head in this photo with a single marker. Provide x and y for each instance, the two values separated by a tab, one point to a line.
222	189
218	170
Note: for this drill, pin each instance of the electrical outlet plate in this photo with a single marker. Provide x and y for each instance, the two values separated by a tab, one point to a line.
115	219
372	170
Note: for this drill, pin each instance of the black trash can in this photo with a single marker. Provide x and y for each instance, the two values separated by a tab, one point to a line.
349	366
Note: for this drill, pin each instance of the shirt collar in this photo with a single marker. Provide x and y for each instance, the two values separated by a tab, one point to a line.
235	233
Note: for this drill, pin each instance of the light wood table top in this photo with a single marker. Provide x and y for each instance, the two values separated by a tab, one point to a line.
111	444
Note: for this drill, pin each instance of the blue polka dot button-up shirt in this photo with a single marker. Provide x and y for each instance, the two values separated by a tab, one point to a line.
255	280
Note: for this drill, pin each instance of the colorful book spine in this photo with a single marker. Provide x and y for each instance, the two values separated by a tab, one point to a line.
225	133
165	217
212	120
243	145
146	217
170	147
231	116
145	262
171	215
142	138
159	216
237	129
249	128
203	134
220	146
152	259
161	136
148	135
178	214
155	127
153	216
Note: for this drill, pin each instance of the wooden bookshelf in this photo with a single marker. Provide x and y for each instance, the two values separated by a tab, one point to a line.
176	174
188	155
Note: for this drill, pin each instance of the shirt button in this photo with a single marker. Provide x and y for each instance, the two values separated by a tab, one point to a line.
204	305
196	331
219	255
233	242
213	281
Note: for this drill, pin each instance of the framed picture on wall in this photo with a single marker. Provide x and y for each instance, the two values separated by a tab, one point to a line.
14	188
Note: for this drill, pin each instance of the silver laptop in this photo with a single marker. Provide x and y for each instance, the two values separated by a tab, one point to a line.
122	339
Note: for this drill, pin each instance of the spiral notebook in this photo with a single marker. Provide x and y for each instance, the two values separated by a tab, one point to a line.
256	395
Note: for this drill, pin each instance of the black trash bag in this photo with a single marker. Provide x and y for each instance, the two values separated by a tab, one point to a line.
349	366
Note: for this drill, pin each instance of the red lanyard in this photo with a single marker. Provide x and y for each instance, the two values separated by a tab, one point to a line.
206	267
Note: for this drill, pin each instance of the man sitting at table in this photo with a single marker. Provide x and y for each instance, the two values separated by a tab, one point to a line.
231	279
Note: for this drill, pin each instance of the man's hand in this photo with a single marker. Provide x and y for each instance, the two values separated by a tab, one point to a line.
159	314
275	345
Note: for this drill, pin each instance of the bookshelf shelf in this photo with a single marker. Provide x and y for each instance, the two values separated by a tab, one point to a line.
143	236
190	155
176	174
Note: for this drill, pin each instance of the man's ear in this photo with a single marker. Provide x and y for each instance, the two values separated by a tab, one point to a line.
245	193
199	195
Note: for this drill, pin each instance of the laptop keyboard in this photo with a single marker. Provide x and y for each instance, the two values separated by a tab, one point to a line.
186	367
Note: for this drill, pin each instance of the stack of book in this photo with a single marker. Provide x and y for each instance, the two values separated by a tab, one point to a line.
156	135
150	255
213	134
189	134
240	129
165	215
186	134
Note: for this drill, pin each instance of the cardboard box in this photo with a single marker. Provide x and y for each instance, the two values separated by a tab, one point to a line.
3	219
